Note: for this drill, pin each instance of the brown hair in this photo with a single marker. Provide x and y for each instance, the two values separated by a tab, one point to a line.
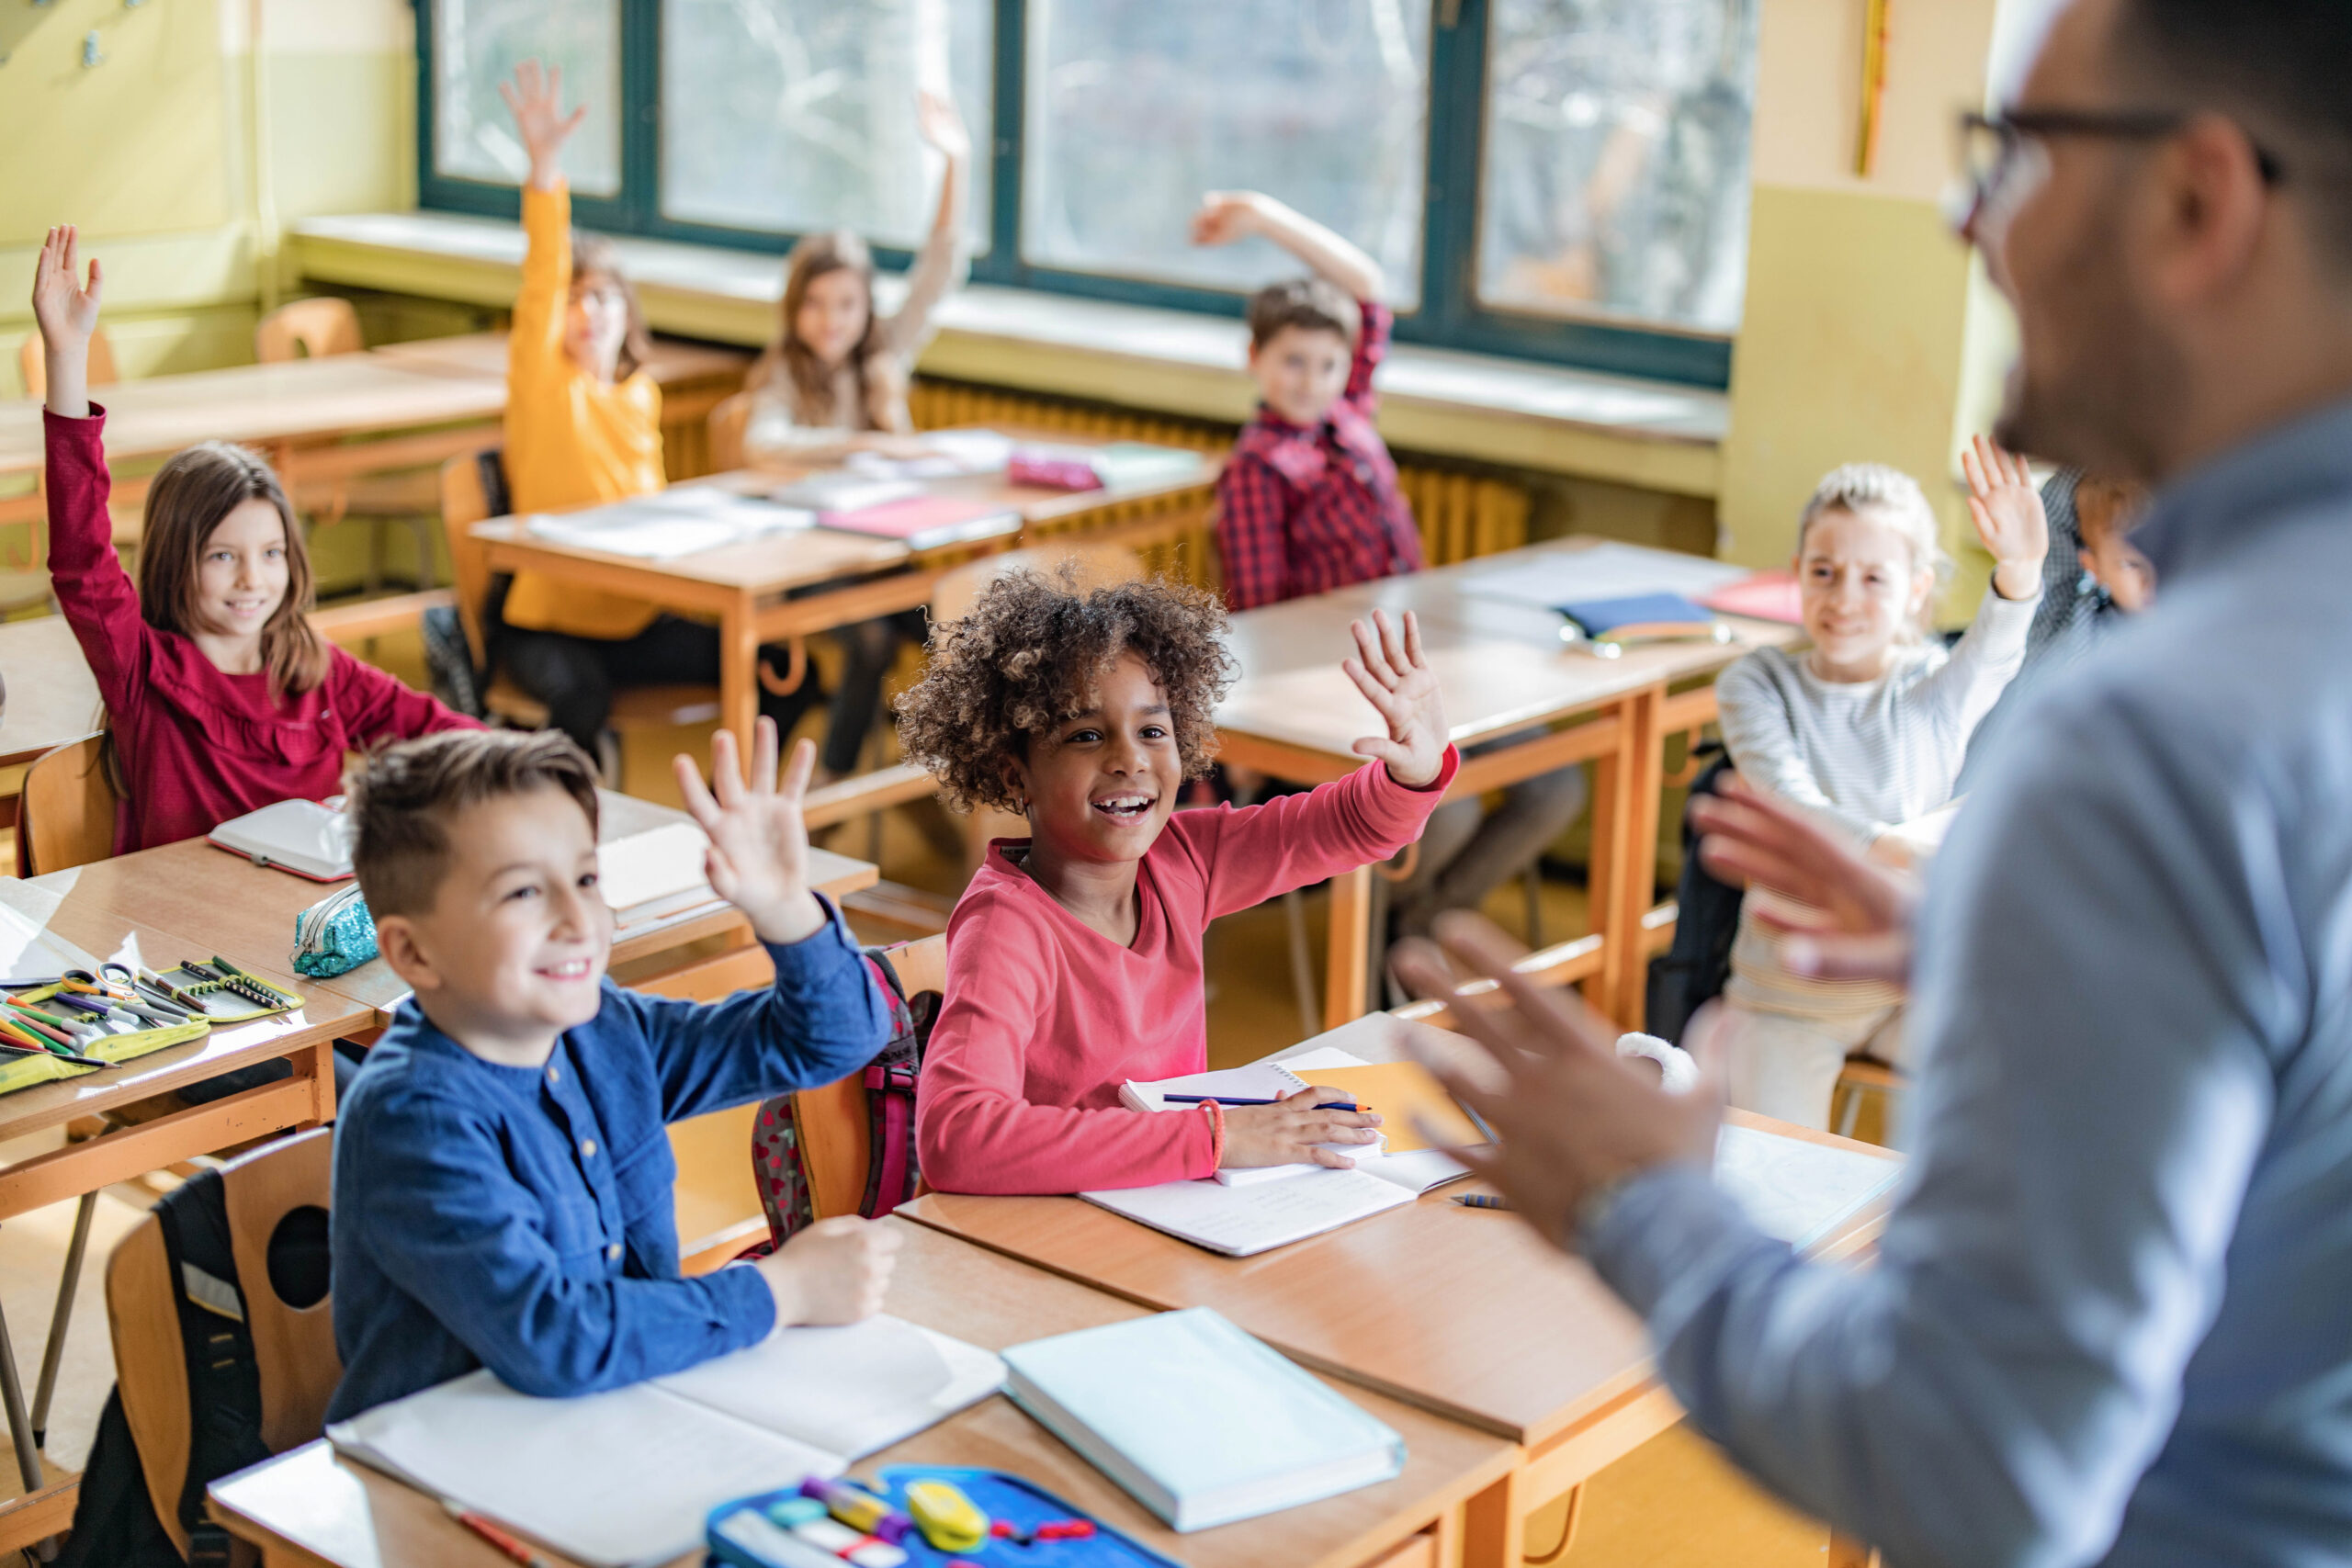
1026	657
595	260
881	397
1313	303
402	798
189	497
2107	506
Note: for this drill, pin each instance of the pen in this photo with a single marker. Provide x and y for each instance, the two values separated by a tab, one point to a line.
513	1550
1243	1099
1481	1201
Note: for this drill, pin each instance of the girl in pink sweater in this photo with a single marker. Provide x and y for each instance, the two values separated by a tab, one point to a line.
1074	957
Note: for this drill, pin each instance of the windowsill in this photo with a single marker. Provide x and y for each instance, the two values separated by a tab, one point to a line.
1653	435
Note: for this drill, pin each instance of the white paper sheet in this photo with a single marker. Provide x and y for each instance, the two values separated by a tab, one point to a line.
1796	1190
1241	1221
27	951
848	1390
1607	571
682	520
633	871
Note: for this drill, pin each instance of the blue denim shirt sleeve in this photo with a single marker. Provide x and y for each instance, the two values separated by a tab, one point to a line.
446	1221
821	1020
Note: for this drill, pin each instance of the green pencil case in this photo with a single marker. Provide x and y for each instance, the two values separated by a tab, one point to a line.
24	1071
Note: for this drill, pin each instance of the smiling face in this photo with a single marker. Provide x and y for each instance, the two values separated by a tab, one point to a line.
833	314
1101	785
1861	587
1301	371
241	573
511	951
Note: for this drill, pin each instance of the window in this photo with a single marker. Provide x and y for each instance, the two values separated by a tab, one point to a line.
796	115
478	43
1137	106
1550	179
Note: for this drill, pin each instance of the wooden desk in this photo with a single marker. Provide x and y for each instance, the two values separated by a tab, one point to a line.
836	579
52	696
311	1509
1430	1303
1503	671
304	1037
221	903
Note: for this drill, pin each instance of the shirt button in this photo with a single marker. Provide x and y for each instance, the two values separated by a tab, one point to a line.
554	1076
614	1252
588	1148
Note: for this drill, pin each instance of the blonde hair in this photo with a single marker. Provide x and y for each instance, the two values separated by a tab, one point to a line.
1894	498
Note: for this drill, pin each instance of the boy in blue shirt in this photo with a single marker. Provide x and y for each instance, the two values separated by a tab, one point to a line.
501	1177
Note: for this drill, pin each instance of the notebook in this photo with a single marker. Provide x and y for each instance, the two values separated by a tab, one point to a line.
300	836
844	491
684	520
1644	617
927	522
616	1479
1608	571
1196	1420
653	875
1796	1190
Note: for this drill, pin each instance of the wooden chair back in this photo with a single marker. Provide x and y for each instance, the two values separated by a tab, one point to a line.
67	817
308	329
473	489
729	420
30	360
293	1346
1097	566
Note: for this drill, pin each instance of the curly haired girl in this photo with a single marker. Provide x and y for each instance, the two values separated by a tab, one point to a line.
1074	957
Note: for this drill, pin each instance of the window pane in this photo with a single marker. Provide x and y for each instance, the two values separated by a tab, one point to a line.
1137	106
478	43
796	115
1616	158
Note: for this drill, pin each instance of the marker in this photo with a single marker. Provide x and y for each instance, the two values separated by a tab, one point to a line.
509	1547
1242	1100
1481	1201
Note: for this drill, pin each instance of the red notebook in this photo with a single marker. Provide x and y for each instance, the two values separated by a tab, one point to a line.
1767	596
927	522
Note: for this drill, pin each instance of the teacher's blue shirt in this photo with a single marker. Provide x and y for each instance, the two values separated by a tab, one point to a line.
2112	1315
520	1218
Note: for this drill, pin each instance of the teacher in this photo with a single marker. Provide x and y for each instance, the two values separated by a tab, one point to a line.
2111	1319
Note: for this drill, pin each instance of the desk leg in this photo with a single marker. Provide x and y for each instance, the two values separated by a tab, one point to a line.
738	674
1494	1527
1351	938
1625	855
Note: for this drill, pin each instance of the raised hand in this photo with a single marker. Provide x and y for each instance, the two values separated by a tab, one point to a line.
1225	216
1396	679
2006	510
1570	1116
67	313
1864	929
758	859
535	99
939	124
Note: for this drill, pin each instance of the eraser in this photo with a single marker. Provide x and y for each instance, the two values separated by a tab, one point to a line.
795	1511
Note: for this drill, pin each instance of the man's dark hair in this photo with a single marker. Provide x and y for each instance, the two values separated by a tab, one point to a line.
1313	303
2278	68
403	796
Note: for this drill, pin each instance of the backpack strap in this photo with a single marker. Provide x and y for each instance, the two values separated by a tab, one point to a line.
890	1166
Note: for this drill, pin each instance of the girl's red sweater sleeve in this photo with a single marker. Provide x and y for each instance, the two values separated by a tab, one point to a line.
378	707
1248	854
100	603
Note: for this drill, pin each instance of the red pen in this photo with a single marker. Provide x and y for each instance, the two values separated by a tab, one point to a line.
508	1546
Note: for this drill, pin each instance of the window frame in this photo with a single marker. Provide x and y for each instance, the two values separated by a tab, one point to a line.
1450	314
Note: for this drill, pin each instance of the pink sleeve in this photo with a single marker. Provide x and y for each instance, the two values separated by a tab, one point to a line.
100	603
377	708
974	1130
1372	347
1249	854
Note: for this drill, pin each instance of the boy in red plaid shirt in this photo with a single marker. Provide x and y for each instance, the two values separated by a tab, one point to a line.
1309	502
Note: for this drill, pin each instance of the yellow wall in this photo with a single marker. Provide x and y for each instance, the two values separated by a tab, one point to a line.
155	151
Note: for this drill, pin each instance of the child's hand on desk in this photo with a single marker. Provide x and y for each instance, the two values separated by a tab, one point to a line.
2008	516
1288	1132
1396	680
758	859
835	1271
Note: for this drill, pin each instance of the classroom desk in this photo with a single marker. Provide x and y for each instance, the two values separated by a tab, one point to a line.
305	1037
311	1509
52	697
1503	671
1432	1303
440	393
221	903
837	577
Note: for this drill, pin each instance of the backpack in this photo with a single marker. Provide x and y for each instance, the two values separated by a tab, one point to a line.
1692	972
778	1168
115	1524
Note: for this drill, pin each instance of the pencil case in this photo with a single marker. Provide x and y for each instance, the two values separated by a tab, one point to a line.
335	935
22	1071
224	993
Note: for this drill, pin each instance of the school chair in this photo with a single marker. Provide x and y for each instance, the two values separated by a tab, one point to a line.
318	328
276	1200
473	489
35	366
67	817
729	418
1863	1075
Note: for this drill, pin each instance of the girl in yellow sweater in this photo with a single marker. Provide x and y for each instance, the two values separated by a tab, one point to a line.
584	427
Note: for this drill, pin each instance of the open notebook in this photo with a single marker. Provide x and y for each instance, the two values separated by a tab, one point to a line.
300	836
616	1479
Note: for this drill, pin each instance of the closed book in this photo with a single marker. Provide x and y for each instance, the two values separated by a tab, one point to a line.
927	522
300	836
1196	1420
1641	618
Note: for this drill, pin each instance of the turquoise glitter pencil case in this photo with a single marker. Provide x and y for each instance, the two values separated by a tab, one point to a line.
335	935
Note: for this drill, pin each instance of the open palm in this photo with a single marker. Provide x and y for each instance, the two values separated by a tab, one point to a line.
936	119
535	99
758	859
1393	675
2004	503
66	310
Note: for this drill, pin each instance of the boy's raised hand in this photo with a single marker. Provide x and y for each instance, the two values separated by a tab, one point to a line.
2009	520
535	99
1394	677
758	859
67	313
1225	216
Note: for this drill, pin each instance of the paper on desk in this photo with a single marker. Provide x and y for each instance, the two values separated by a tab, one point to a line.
946	453
1608	571
1796	1190
648	868
28	950
681	521
850	1390
1241	1221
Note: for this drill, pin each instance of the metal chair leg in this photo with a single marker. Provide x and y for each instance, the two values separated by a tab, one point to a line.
53	1355
20	1426
1302	965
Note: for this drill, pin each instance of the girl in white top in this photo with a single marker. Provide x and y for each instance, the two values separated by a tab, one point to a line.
1867	728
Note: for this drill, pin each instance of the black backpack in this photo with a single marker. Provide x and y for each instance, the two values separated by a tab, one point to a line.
1692	972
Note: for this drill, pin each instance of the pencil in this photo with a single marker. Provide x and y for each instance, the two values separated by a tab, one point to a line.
513	1550
1481	1201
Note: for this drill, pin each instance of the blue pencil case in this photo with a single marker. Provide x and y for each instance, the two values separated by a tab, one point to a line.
741	1535
335	935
